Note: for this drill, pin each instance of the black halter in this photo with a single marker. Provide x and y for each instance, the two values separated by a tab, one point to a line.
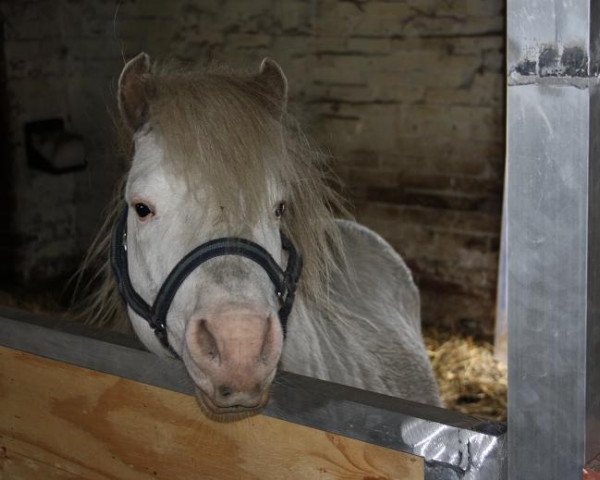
156	315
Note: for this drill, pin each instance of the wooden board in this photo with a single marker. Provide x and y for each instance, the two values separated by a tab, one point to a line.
59	421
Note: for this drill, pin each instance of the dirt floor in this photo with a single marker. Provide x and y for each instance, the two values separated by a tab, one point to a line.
471	380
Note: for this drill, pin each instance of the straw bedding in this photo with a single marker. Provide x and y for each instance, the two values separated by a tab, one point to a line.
470	378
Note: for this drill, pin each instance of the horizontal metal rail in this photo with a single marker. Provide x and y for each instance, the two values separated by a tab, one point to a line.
454	446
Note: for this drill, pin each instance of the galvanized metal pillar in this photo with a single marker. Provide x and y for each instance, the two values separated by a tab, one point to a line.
553	207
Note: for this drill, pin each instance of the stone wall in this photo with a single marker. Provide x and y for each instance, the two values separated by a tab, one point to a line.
408	96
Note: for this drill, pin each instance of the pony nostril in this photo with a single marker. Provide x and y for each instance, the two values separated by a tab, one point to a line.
225	390
207	341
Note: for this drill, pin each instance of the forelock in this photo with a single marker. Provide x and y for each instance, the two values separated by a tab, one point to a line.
217	132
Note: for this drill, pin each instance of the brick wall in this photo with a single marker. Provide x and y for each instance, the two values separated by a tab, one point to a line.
36	87
407	95
411	96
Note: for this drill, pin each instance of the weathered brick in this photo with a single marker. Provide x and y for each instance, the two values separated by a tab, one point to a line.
486	89
335	18
324	44
371	176
360	158
444	156
293	15
476	122
324	92
467	184
374	124
337	131
467	46
395	88
344	68
160	8
332	74
369	45
459	7
248	40
102	20
25	100
32	59
27	21
443	307
455	221
433	199
408	95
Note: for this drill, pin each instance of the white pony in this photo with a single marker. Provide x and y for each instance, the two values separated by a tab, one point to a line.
215	156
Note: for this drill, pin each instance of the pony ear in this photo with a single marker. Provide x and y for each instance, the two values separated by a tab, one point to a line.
133	101
272	77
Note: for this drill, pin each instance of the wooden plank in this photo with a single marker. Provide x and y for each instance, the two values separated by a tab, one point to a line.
59	419
15	466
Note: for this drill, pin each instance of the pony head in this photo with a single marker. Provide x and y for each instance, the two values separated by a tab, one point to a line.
214	155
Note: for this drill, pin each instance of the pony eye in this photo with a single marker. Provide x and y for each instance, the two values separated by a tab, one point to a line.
142	210
280	209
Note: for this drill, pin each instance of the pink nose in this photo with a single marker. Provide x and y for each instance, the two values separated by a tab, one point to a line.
235	351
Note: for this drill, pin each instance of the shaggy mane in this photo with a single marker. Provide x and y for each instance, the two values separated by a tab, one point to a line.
226	130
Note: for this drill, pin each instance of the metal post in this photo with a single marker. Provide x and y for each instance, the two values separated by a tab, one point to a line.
553	205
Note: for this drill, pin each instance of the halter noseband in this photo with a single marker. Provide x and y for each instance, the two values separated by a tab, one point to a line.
156	315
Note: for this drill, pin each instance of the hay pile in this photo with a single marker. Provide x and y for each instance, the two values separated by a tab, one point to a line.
471	380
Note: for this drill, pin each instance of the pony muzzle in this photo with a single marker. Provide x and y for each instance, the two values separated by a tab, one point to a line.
234	352
231	413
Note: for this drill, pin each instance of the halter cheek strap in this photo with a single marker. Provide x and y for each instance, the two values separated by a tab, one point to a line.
284	281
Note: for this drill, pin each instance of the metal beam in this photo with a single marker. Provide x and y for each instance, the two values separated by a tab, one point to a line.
553	238
454	446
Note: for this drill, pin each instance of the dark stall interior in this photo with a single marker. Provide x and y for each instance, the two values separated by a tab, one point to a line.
406	96
7	246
